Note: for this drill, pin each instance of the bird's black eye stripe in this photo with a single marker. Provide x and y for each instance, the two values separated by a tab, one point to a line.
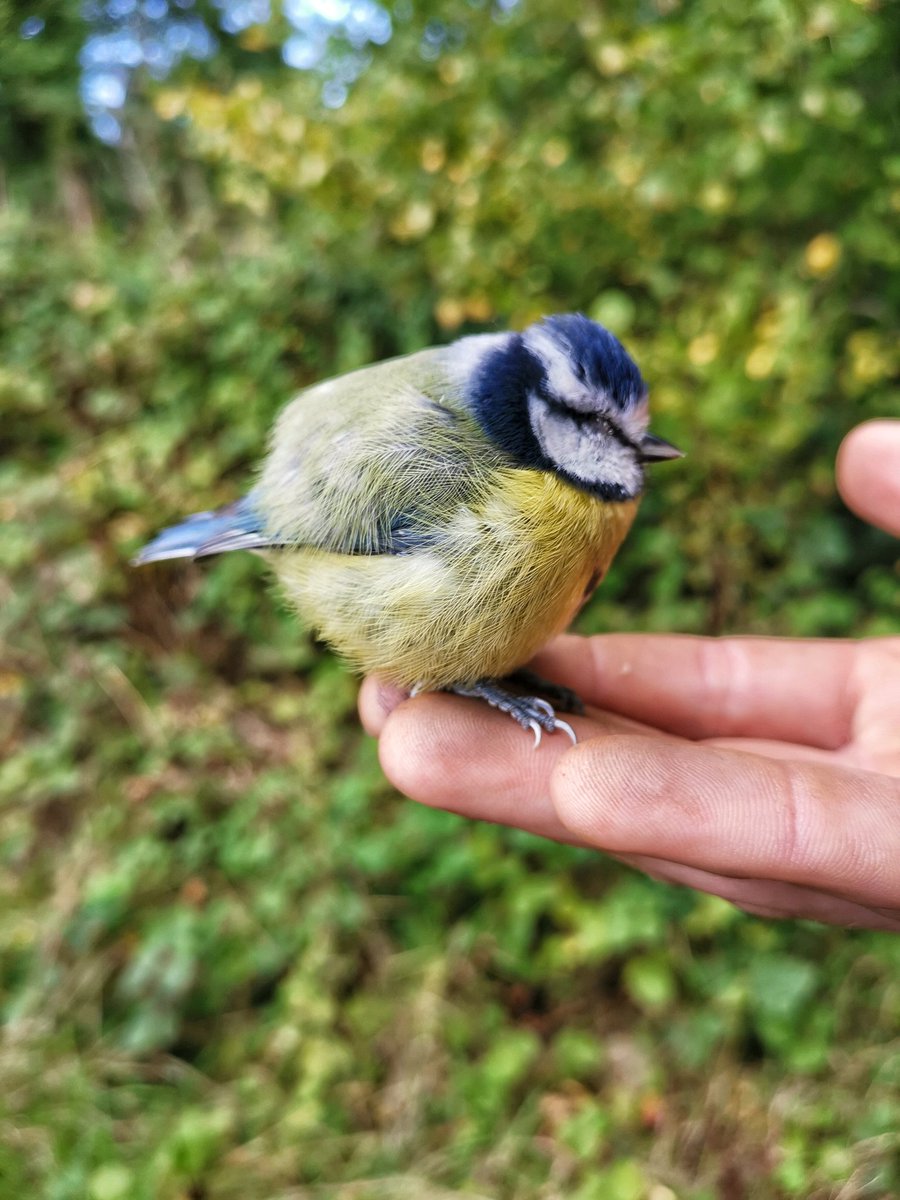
596	420
610	428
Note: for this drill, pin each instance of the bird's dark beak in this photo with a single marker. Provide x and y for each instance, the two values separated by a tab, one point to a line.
655	449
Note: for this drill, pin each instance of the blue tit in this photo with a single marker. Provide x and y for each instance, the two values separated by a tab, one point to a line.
437	518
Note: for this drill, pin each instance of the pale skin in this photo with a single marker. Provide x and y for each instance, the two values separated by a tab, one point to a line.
762	770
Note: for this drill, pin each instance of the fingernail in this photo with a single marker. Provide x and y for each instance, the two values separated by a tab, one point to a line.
389	697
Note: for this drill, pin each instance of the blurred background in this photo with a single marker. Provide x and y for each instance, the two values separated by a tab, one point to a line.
233	963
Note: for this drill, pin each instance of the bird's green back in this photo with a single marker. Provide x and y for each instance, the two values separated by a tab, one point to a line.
375	460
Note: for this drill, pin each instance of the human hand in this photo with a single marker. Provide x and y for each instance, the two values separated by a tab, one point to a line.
765	771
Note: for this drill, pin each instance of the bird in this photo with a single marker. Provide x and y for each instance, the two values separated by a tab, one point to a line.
437	517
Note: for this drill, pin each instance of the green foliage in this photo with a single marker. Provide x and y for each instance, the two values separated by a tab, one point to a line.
233	963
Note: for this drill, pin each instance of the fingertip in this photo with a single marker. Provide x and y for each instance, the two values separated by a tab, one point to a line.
402	755
869	435
627	793
428	746
868	472
462	756
857	448
596	788
377	700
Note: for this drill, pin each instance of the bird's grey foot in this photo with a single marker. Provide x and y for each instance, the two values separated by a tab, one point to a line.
531	712
562	698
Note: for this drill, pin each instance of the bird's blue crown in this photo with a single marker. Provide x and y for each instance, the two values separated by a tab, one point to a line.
597	358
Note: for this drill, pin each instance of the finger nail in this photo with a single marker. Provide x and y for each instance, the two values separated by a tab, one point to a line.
389	697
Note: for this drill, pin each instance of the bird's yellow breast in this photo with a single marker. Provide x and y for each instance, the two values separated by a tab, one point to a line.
495	582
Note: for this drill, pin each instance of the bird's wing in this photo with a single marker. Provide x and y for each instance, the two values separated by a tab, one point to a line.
373	462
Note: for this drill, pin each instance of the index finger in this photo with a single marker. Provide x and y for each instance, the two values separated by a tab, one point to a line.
775	688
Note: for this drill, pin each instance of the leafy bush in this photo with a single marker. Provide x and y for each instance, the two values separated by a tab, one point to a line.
234	964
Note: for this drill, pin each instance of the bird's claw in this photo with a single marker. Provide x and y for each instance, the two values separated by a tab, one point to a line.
566	728
554	724
543	706
531	712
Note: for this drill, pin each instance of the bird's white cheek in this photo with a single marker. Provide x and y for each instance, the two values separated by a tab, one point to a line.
542	425
582	454
617	468
562	440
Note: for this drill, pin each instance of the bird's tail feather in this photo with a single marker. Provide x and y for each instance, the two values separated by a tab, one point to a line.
234	527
